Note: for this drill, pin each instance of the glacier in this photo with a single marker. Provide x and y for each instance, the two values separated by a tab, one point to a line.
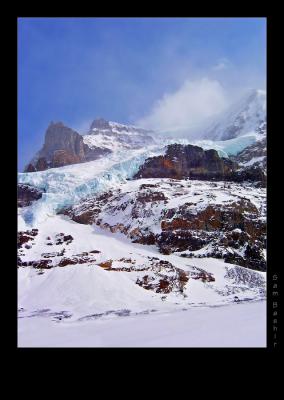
65	186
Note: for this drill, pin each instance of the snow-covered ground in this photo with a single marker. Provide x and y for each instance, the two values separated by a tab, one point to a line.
235	325
85	305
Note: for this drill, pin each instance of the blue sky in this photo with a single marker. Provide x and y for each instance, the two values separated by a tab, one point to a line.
76	69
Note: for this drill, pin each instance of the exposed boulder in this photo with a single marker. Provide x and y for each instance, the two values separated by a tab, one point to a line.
28	194
26	236
38	264
167	278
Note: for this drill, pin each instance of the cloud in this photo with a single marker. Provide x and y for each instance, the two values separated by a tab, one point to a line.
188	107
222	64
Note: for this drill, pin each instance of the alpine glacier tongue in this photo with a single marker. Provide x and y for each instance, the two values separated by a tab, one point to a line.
66	185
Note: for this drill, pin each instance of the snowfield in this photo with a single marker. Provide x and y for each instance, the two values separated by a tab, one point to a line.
238	325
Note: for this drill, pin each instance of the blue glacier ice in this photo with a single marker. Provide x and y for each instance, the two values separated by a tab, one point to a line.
67	185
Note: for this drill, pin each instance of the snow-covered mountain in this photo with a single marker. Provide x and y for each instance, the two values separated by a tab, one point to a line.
115	136
246	117
99	241
64	146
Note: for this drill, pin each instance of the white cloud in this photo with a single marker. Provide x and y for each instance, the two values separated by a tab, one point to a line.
222	64
188	107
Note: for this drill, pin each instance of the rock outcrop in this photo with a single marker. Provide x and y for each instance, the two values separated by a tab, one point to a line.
27	194
63	146
192	162
26	236
187	161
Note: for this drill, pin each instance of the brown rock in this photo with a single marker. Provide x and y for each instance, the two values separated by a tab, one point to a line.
27	194
187	162
106	264
63	146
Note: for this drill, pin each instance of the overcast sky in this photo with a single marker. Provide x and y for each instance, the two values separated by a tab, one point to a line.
160	73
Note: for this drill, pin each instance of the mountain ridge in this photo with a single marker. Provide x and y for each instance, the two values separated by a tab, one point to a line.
245	116
64	146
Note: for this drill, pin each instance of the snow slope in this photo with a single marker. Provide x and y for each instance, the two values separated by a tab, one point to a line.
81	290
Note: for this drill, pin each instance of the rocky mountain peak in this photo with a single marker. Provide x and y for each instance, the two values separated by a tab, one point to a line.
100	123
62	146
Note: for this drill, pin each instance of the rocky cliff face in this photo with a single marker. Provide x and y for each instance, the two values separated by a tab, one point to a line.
192	162
63	146
187	161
